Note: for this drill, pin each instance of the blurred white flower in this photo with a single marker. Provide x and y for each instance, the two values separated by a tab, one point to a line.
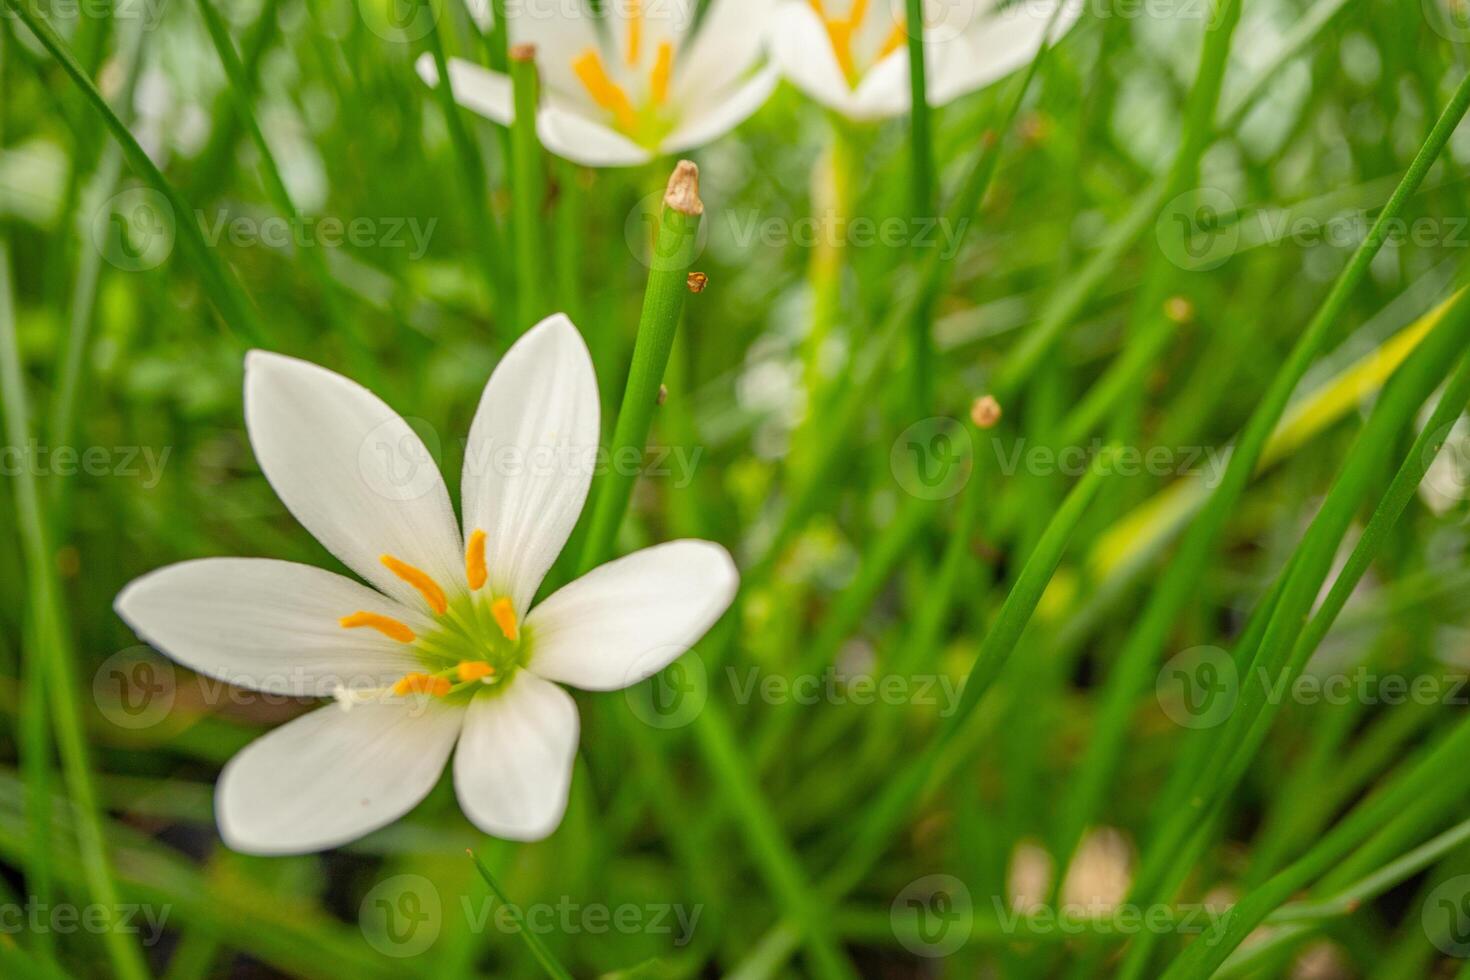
640	81
444	648
856	61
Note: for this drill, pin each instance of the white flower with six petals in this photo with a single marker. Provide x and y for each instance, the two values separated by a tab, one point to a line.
442	646
857	62
641	81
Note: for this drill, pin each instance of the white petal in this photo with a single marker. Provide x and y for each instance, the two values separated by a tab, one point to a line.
722	115
572	136
478	89
885	91
268	625
332	776
353	472
513	770
727	45
530	456
803	51
997	46
627	620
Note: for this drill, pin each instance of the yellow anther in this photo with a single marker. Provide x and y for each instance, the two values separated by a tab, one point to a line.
663	70
505	618
427	587
474	670
840	31
635	32
386	625
421	684
604	91
474	560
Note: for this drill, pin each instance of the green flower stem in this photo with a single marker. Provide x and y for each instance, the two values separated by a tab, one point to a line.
50	654
1136	661
668	287
471	170
528	181
921	184
663	305
219	282
533	942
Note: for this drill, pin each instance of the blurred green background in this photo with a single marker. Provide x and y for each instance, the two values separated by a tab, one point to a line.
1105	301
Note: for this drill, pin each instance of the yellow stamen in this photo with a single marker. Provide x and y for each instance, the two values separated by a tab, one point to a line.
635	32
427	587
840	31
604	91
474	560
505	618
474	670
421	684
897	38
663	70
386	625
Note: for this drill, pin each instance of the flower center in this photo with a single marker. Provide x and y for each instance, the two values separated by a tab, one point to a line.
843	30
477	639
647	122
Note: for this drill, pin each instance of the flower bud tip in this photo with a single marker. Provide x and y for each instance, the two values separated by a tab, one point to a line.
683	191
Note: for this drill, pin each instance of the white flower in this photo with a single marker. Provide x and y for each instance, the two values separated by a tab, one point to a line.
856	61
442	645
639	82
